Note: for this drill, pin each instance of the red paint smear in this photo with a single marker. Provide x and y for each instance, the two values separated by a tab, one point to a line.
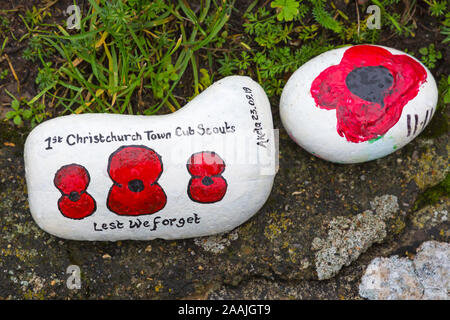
69	179
206	166
135	163
359	120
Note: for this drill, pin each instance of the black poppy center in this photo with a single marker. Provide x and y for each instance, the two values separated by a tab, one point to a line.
136	185
370	83
74	196
207	181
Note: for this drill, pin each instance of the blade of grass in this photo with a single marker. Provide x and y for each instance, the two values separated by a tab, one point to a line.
184	5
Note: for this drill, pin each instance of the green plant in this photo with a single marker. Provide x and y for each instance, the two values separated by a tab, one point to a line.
433	194
118	56
323	17
265	29
2	47
4	74
445	30
34	21
244	62
139	56
439	124
446	92
397	22
220	41
32	111
36	17
18	114
274	64
227	65
161	80
35	48
430	56
307	32
47	76
437	8
271	54
287	9
205	79
4	25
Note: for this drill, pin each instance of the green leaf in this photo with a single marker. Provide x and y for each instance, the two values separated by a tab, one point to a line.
287	9
10	114
17	120
15	104
325	19
423	51
27	114
447	97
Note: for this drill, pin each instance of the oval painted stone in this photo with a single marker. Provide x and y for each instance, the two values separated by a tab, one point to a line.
202	170
358	103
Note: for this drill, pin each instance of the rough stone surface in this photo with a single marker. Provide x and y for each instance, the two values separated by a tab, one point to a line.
216	243
385	206
431	216
432	266
426	277
349	237
390	279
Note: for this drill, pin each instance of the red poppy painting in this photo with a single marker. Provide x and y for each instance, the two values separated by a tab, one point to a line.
135	171
72	181
207	184
368	89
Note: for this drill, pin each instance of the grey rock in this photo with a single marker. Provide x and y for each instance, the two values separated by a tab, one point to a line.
426	277
349	237
390	279
432	266
216	243
385	206
431	216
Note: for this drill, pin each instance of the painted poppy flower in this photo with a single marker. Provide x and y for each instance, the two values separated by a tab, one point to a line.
135	171
207	184
368	89
72	181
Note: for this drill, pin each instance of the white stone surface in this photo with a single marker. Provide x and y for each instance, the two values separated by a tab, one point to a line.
315	128
231	118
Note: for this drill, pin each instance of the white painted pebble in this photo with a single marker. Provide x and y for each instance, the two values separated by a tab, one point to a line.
202	170
358	103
